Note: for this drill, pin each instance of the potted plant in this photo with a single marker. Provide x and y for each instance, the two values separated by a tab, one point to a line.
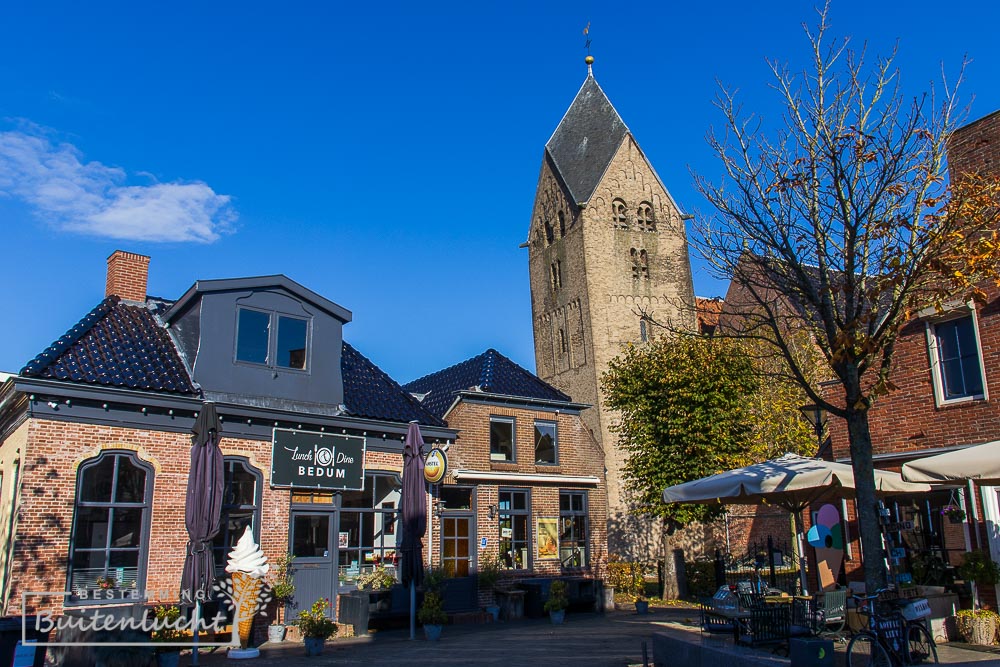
282	591
977	626
167	617
316	626
979	567
106	583
378	581
954	513
557	602
488	575
432	615
641	604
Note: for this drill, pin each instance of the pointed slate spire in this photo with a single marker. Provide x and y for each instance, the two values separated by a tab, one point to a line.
586	140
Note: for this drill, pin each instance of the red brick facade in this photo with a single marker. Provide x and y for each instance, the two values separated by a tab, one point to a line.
51	458
578	456
910	423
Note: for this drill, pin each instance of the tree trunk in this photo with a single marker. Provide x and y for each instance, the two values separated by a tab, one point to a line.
866	503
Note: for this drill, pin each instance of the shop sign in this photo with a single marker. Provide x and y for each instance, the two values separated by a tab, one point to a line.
306	459
898	526
435	465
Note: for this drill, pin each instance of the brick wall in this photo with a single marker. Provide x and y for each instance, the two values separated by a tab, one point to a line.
975	148
578	454
53	454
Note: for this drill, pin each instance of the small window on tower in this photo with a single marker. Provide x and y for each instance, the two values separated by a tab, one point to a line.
645	218
556	274
619	214
562	342
562	224
643	265
549	233
643	333
634	256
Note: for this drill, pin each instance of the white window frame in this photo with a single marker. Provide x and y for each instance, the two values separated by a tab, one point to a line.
930	326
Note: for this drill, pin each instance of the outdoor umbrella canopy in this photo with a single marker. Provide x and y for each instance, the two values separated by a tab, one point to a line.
980	464
414	516
790	481
203	506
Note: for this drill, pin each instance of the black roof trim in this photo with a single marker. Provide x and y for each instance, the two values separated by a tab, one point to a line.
257	282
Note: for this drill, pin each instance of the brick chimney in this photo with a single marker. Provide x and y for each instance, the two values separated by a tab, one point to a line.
127	274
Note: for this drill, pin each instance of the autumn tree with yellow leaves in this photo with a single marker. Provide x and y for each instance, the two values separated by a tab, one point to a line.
839	223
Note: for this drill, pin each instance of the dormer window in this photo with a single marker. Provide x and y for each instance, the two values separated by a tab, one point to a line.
286	348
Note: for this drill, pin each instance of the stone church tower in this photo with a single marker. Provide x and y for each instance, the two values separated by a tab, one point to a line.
606	239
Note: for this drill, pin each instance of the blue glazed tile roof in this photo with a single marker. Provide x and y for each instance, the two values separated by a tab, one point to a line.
123	345
370	393
490	372
115	345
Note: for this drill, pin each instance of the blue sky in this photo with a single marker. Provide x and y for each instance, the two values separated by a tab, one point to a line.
382	154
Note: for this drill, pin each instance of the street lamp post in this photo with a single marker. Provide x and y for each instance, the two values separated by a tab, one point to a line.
816	416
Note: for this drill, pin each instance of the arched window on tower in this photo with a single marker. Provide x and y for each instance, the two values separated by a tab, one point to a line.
562	224
562	342
556	274
644	217
619	214
643	265
634	256
549	232
643	331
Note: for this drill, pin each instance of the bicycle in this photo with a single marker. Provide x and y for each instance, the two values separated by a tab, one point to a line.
888	639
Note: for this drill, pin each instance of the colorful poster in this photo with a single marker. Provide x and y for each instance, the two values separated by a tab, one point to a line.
827	536
547	538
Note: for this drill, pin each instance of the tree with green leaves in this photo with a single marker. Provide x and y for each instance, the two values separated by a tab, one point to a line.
692	406
838	222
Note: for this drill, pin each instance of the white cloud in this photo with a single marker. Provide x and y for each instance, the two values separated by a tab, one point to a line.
94	199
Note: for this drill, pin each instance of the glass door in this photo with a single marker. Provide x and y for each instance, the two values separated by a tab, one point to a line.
456	545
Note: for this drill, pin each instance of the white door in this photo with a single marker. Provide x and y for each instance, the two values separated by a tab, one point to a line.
991	507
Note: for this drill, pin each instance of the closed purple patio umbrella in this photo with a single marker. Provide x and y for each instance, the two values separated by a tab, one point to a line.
414	517
203	506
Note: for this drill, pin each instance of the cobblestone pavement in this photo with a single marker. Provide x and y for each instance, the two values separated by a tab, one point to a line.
585	640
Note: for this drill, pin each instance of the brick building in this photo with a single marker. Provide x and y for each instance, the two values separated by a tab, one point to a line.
526	479
95	437
945	371
606	243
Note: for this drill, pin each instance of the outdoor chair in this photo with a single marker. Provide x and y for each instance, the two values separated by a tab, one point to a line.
832	612
750	600
766	625
712	622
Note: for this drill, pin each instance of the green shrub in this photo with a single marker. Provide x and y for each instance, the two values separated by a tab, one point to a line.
700	578
628	578
977	566
432	610
489	570
314	622
167	617
557	596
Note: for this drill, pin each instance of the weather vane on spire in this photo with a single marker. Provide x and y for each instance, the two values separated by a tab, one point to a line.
589	59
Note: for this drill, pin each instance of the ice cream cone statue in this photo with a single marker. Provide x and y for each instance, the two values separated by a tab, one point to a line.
247	567
827	536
